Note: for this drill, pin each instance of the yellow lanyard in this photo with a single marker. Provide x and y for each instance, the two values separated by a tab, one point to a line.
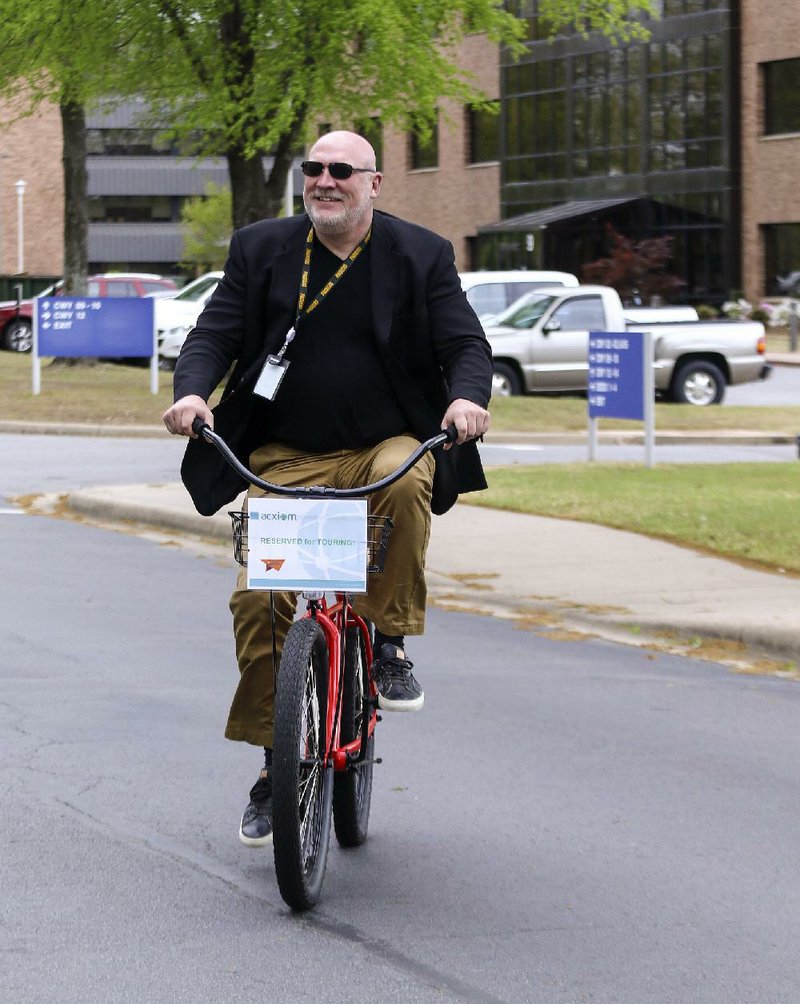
337	275
277	358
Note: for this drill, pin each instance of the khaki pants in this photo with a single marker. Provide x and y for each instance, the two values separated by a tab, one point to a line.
395	602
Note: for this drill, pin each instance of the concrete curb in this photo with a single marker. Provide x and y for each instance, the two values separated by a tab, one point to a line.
81	429
495	438
92	504
451	586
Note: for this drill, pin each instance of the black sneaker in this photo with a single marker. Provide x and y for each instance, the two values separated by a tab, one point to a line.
397	688
255	829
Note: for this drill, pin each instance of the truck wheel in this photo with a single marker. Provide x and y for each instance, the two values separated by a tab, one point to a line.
505	381
698	382
18	336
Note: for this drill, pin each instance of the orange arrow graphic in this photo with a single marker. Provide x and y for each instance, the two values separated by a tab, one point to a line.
273	564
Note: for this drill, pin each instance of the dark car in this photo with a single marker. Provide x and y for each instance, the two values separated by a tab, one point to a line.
16	319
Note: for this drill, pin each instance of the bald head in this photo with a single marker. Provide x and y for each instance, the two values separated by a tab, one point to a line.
355	149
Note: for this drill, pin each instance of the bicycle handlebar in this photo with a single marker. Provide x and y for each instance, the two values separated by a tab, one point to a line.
204	431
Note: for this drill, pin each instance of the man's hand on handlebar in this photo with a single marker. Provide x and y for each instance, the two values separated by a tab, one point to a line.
178	419
471	421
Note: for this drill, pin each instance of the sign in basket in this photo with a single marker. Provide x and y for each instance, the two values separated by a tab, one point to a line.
307	544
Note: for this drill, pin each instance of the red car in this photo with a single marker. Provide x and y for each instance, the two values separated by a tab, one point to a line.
16	320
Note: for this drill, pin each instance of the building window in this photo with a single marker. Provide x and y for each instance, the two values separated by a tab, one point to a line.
781	96
685	111
781	255
134	208
424	153
372	131
483	134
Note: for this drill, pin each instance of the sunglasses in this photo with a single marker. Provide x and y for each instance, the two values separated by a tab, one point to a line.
337	170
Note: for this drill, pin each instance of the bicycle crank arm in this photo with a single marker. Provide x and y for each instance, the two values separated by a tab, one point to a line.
355	764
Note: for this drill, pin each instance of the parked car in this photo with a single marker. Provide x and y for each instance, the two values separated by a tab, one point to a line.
176	316
484	290
661	315
541	343
16	319
489	293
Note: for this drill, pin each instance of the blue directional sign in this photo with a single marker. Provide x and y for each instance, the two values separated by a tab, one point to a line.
99	326
616	375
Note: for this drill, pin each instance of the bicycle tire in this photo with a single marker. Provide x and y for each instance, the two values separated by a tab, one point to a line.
302	793
352	789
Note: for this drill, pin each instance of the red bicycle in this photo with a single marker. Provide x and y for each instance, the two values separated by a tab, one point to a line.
326	703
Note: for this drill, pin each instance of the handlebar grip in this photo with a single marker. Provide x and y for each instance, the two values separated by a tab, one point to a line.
452	433
199	426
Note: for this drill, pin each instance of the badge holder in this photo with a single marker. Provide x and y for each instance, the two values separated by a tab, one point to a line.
274	371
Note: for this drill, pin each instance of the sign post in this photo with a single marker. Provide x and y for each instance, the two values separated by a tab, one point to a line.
96	327
622	383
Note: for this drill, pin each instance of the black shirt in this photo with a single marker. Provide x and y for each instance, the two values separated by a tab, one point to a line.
335	394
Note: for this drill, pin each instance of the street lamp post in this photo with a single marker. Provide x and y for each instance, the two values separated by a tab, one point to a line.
20	187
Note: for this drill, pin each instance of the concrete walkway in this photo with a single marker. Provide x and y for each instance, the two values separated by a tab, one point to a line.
554	575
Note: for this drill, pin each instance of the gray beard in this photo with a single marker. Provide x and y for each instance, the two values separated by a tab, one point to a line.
339	224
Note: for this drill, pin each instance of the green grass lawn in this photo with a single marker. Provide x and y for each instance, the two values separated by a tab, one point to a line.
750	512
108	392
550	413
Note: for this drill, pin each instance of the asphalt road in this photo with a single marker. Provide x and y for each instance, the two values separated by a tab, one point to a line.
782	387
566	821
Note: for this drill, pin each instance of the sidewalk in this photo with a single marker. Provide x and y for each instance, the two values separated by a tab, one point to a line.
554	575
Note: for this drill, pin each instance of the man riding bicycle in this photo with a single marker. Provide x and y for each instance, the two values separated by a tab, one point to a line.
351	341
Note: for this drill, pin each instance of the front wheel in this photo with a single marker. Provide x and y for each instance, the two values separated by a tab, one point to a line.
302	785
698	382
352	789
18	336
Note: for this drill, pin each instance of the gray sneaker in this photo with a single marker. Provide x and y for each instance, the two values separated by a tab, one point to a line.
255	829
397	688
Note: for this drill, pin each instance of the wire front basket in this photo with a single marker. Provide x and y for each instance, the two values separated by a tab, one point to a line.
379	529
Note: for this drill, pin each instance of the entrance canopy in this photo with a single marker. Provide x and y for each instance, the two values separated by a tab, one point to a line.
542	218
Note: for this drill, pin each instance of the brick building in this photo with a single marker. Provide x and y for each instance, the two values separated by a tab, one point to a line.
30	150
770	96
452	185
695	133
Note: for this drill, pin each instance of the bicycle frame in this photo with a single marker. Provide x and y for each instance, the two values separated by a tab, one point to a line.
335	621
318	777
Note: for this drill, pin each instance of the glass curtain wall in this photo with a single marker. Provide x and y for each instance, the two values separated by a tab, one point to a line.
584	119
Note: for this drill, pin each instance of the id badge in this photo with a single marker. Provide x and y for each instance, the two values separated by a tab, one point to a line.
270	379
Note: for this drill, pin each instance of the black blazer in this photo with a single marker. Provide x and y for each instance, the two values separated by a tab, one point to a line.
430	339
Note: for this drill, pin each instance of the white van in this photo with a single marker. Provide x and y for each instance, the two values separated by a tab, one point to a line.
490	292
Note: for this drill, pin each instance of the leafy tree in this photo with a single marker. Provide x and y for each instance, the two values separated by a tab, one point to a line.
70	54
637	270
249	76
206	229
619	20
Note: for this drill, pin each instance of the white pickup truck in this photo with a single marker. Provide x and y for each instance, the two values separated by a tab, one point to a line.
541	343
